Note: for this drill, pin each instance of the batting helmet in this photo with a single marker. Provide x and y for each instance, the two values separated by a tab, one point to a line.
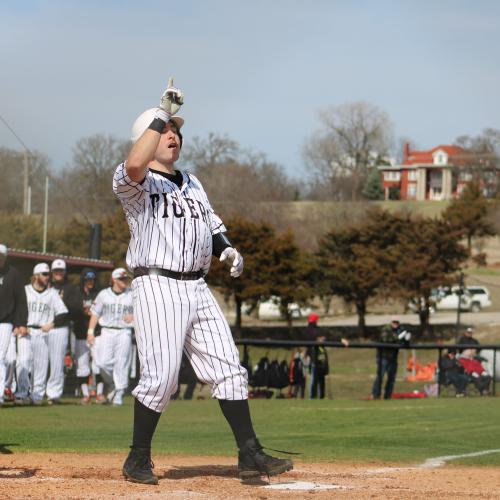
144	121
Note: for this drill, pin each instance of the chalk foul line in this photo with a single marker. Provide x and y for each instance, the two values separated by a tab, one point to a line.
438	461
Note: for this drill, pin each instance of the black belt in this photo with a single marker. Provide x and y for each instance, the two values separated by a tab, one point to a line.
34	326
158	271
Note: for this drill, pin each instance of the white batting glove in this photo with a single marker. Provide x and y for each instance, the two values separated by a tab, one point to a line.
171	101
235	259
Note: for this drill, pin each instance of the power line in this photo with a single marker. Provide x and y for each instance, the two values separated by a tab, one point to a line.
15	135
52	178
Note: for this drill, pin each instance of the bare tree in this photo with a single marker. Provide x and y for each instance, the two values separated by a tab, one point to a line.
352	138
86	182
11	189
205	153
482	159
236	180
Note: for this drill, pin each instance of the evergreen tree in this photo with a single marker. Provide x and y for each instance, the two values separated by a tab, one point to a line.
373	189
469	214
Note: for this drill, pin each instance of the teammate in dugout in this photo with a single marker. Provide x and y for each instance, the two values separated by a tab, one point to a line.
174	233
82	350
13	313
45	307
58	338
113	310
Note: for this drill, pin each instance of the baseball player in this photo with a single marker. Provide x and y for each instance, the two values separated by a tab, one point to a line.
174	233
13	312
113	310
88	293
45	307
59	335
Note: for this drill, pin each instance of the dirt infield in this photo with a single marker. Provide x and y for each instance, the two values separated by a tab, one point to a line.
78	476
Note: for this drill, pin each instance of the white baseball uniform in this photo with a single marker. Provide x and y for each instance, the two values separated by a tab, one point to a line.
33	349
171	228
115	342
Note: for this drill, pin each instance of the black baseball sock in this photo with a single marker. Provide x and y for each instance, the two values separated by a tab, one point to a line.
237	414
145	421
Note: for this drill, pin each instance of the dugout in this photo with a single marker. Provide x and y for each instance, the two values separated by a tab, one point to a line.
25	260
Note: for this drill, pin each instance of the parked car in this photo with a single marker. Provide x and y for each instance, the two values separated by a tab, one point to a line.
480	297
269	309
473	299
448	298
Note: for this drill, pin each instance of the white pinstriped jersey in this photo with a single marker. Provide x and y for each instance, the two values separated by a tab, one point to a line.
43	306
111	308
170	227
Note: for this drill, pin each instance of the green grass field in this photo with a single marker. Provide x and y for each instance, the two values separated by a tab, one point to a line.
402	431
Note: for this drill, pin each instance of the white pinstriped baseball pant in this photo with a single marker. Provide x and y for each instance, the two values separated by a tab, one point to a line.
82	358
57	346
32	364
171	316
24	365
115	350
5	339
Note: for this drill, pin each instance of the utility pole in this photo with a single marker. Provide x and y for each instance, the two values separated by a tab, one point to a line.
459	307
28	212
45	214
25	185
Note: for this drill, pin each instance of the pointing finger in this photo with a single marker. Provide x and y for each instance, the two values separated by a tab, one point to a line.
170	82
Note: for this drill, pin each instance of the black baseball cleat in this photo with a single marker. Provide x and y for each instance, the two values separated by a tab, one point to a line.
138	467
253	462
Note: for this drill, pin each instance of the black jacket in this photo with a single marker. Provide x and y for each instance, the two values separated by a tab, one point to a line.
13	304
81	319
71	297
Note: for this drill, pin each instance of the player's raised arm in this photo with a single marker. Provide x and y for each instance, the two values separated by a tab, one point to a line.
146	140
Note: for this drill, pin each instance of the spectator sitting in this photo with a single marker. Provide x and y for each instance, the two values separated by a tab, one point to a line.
452	372
478	374
468	339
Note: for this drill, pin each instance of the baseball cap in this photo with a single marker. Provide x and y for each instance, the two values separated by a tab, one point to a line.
89	275
395	320
118	273
144	121
3	250
312	318
58	264
470	330
41	267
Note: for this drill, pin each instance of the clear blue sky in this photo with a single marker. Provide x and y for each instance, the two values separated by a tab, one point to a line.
258	71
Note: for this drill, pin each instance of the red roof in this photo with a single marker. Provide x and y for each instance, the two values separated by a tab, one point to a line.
426	156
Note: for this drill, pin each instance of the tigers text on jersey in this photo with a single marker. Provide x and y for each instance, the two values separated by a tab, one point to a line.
43	306
170	227
111	308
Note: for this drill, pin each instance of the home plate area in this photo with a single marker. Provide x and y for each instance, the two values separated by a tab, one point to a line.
98	476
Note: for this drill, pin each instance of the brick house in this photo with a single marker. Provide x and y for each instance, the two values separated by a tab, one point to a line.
438	174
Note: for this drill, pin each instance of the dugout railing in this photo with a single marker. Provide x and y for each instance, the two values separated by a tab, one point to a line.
246	343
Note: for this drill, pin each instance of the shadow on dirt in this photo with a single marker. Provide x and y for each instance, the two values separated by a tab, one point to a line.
4	450
16	472
187	472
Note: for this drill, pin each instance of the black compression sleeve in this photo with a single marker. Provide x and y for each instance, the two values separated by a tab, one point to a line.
219	243
157	125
